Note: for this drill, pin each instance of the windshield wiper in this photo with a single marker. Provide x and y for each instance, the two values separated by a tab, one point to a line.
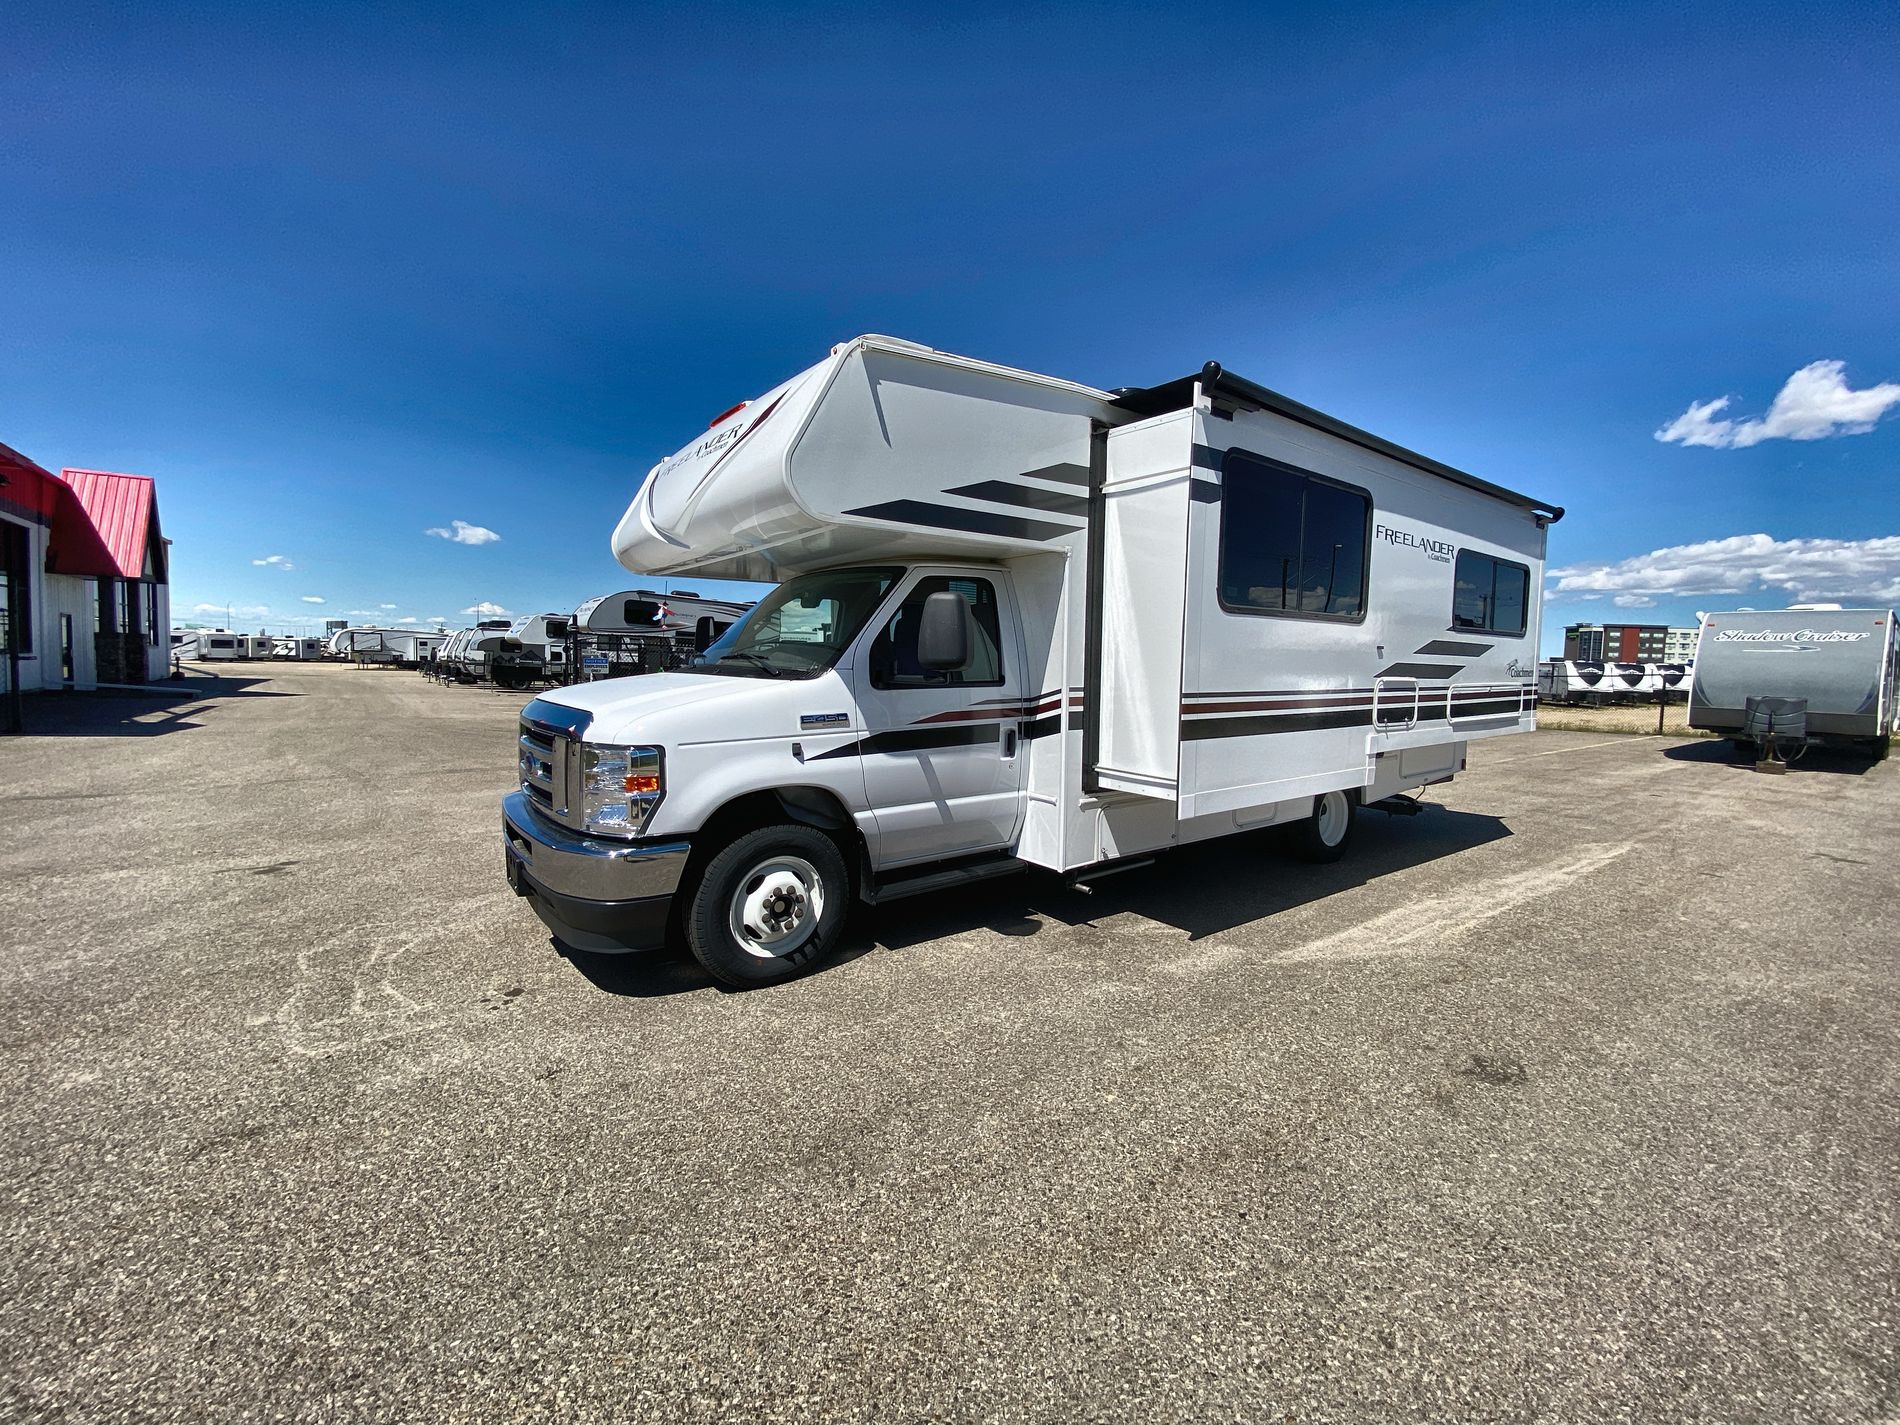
759	660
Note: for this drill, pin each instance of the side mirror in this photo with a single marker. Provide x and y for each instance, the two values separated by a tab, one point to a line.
704	633
943	635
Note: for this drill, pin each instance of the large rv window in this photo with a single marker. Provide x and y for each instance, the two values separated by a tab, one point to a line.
894	656
634	612
1291	542
1489	595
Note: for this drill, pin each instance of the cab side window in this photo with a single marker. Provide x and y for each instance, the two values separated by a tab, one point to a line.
894	655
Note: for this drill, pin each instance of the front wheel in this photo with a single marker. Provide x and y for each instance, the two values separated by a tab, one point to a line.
1325	834
768	906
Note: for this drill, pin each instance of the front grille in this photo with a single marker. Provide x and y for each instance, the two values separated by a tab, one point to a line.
548	758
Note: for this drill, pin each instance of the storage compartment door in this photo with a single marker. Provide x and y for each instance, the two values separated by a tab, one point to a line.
1143	589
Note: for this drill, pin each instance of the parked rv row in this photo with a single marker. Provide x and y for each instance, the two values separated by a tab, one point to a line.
217	645
1589	684
613	636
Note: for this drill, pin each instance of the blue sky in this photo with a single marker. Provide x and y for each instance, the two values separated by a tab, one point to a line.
340	276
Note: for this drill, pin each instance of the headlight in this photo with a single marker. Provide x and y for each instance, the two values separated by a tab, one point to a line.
620	787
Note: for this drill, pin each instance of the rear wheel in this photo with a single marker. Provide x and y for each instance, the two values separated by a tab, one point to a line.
768	906
1325	834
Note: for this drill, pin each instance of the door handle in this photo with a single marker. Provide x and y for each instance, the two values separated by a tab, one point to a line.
1009	743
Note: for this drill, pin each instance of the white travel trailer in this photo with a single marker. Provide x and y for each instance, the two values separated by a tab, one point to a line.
221	647
1804	676
258	645
465	658
297	649
1021	623
535	650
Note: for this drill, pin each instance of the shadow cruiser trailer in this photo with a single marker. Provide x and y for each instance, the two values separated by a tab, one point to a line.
1019	622
1841	663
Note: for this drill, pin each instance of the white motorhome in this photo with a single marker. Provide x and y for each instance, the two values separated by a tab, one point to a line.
1019	623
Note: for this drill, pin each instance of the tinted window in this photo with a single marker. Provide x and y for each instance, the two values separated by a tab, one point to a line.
1291	542
1489	595
894	656
639	611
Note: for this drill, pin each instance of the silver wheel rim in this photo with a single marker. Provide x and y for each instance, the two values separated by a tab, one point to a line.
1329	818
776	906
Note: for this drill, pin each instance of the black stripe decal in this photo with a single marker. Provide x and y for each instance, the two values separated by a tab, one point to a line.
916	739
1044	727
1203	729
1205	457
1004	493
1446	648
968	521
1204	492
1061	474
1421	670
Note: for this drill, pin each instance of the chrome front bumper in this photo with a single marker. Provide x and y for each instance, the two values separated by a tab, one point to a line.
594	892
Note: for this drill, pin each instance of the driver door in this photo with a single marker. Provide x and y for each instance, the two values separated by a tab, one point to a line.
943	758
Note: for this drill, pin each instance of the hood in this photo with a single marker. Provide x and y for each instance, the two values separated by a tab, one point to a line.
672	709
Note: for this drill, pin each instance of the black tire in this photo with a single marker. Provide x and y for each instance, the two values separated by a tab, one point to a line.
1327	833
766	860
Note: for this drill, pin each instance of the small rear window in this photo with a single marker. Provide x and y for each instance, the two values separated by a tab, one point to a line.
1489	595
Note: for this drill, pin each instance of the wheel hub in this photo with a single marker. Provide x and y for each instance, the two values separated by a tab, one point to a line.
776	908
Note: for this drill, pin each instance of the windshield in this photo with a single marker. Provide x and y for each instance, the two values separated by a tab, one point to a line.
802	627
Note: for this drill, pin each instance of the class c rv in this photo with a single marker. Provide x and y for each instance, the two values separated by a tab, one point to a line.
1812	676
1018	623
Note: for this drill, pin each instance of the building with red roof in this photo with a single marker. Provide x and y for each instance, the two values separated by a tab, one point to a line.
85	578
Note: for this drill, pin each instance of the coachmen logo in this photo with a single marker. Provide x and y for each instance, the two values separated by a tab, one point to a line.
1433	548
1800	635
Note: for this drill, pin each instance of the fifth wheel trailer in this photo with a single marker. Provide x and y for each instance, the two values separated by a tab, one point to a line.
1019	622
1841	665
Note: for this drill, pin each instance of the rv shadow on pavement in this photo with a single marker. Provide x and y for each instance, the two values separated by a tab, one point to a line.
1203	889
1816	759
111	712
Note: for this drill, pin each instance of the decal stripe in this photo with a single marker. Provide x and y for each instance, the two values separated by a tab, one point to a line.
1003	493
1203	729
1422	670
1204	492
1205	457
968	521
916	739
1448	648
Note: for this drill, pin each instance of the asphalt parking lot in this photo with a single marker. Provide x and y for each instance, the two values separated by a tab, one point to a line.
1574	1098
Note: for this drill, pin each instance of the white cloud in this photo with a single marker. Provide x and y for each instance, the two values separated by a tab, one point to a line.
435	618
314	599
408	618
274	561
1634	601
1853	570
240	611
462	532
1814	404
485	609
385	606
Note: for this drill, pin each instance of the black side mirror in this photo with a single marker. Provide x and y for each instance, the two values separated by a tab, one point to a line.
704	633
943	635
